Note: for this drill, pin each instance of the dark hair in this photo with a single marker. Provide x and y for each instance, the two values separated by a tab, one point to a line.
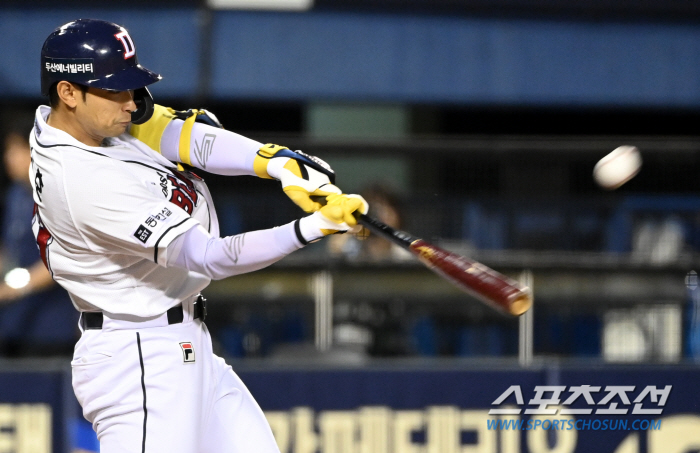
53	93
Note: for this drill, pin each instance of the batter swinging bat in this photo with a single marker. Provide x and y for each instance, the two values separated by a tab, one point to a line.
493	288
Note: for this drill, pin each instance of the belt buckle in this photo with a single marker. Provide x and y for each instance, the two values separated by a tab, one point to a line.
91	320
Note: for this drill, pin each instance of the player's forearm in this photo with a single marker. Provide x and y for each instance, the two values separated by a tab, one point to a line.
210	148
219	258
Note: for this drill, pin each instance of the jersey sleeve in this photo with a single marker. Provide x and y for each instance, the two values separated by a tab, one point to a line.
210	148
115	212
217	258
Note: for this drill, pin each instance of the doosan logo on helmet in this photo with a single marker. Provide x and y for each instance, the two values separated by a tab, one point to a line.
129	48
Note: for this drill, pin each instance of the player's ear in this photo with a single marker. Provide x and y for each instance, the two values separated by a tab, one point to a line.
68	93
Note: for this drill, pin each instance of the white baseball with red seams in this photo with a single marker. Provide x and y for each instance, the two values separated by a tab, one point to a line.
618	167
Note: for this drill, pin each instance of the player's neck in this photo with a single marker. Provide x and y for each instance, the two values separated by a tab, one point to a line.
62	119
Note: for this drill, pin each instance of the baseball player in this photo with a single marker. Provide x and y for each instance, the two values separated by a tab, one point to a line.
133	237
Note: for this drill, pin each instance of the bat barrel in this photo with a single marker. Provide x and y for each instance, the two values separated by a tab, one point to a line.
521	303
497	290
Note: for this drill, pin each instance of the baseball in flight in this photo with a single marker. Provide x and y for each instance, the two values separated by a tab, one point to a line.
618	167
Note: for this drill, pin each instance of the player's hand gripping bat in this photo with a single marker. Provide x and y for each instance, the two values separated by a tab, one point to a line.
491	287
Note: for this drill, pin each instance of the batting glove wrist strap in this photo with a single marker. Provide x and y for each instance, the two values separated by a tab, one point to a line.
302	176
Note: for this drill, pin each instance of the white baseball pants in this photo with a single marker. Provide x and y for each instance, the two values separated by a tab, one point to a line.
150	387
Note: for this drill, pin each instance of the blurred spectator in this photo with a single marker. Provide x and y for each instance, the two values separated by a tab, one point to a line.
659	241
384	206
371	329
36	315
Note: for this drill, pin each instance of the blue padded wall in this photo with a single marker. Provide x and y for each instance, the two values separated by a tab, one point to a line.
382	57
449	59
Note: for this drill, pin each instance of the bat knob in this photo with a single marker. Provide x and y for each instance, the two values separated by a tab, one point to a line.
521	304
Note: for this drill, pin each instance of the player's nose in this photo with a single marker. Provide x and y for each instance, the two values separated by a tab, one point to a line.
129	105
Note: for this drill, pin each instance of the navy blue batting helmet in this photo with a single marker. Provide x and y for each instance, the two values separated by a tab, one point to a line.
98	54
94	53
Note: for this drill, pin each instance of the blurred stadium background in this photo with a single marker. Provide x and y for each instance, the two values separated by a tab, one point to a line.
474	124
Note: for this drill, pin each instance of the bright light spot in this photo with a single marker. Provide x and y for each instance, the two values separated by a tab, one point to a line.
17	278
282	5
88	47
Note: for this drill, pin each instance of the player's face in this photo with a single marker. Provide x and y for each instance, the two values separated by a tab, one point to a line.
105	113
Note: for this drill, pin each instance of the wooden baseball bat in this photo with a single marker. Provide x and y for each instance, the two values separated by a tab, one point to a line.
495	289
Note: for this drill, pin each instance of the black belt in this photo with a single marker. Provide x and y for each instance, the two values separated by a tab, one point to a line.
93	320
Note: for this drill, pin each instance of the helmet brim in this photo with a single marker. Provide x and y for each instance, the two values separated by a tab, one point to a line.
130	78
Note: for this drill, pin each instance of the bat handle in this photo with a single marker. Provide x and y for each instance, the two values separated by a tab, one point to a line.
401	238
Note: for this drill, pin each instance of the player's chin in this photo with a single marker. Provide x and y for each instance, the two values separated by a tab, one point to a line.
120	127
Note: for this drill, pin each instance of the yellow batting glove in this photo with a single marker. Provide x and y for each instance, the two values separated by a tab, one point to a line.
300	188
336	217
341	208
302	176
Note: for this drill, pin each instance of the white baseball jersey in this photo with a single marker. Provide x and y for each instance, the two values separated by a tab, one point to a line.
105	216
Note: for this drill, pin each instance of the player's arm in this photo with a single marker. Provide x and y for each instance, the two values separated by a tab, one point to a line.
217	258
196	138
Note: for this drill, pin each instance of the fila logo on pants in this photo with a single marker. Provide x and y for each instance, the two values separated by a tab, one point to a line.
187	352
